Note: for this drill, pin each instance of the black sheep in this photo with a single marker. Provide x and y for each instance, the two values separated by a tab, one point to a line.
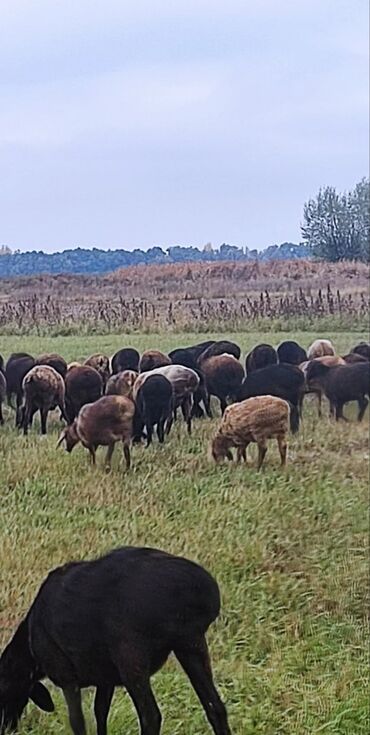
291	352
154	407
363	348
188	356
113	622
261	356
125	359
17	367
283	381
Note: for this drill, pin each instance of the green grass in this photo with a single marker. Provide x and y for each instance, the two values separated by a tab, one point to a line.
288	548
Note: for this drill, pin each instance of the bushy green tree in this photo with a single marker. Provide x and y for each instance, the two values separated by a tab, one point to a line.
337	226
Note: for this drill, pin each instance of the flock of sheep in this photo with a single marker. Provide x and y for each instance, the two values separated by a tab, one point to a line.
125	398
115	620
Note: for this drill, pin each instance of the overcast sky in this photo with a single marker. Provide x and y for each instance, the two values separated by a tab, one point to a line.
133	123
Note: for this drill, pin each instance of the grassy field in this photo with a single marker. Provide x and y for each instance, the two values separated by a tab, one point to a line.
288	548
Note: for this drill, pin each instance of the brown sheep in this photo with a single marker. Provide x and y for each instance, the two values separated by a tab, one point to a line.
330	361
253	420
320	348
43	390
101	364
121	384
83	385
223	376
151	359
53	360
103	423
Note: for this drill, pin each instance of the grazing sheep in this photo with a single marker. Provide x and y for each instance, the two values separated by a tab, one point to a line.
330	361
2	395
125	359
103	423
284	381
83	385
320	348
188	356
254	420
223	376
185	382
101	364
291	352
121	384
363	348
17	366
154	407
259	357
113	622
341	384
43	390
53	360
151	359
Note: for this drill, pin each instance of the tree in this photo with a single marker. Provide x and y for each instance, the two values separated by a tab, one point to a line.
337	226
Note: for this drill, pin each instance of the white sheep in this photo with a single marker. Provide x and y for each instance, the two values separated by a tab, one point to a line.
320	348
253	420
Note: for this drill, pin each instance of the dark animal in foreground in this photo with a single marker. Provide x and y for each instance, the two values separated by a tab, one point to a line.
113	622
284	381
291	352
341	384
125	359
43	390
261	356
154	407
254	420
103	423
83	385
17	366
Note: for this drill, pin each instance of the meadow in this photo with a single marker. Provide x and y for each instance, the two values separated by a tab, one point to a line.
288	548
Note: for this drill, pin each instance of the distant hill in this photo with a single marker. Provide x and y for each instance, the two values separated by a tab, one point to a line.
96	261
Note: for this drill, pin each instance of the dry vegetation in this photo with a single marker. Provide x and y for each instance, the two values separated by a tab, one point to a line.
198	297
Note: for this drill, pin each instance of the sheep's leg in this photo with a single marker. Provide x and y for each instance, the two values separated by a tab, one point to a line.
1	414
319	404
127	455
160	430
207	404
103	699
108	456
242	453
186	412
146	707
26	420
262	449
362	406
43	417
223	404
196	663
282	449
339	412
169	423
72	696
149	434
92	451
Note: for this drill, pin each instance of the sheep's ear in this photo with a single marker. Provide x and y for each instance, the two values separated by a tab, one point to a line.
41	697
62	437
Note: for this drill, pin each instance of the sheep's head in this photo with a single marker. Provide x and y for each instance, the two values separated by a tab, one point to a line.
14	698
70	436
220	448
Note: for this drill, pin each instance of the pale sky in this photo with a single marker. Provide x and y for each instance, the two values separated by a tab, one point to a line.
158	122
